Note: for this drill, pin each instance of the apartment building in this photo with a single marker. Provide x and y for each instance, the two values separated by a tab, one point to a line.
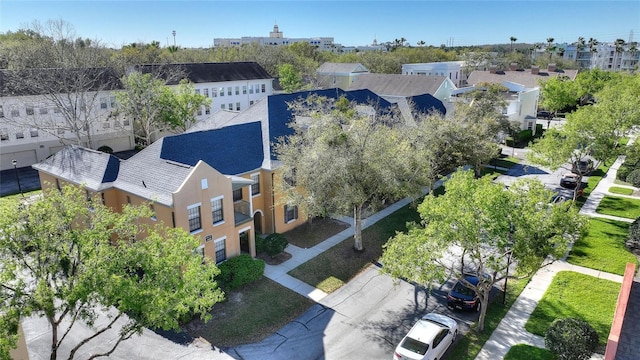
603	56
450	69
275	38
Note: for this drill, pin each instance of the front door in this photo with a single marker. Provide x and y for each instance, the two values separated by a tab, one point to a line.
244	243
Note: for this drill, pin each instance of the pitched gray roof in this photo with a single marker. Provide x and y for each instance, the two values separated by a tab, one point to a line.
397	84
522	77
331	68
95	169
210	72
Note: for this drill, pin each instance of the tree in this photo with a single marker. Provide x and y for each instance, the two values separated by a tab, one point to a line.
67	258
181	104
290	79
619	46
342	159
474	226
558	94
550	48
513	40
571	339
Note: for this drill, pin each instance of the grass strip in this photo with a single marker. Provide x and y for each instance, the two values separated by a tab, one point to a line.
618	206
603	248
569	296
620	190
528	352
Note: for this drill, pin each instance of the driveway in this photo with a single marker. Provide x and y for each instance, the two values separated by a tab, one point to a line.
365	319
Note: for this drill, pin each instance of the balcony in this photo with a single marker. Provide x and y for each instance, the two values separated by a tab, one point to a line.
241	212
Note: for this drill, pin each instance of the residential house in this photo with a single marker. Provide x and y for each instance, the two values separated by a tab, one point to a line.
36	122
216	181
450	69
396	88
524	89
339	75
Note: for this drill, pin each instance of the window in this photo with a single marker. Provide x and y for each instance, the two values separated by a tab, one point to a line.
230	106
106	125
29	110
33	132
264	88
4	134
221	91
103	103
193	214
207	109
221	254
204	184
44	111
237	106
214	92
229	90
244	89
222	106
199	110
237	194
206	92
255	187
198	91
112	100
216	210
19	135
290	213
237	90
250	89
250	102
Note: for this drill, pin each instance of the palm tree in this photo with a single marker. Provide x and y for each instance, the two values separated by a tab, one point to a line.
421	43
513	40
619	43
550	49
580	44
592	45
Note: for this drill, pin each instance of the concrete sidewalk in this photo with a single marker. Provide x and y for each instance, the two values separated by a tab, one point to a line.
510	330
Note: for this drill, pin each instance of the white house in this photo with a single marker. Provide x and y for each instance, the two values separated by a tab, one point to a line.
450	69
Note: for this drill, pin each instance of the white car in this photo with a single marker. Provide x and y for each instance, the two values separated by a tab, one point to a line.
428	339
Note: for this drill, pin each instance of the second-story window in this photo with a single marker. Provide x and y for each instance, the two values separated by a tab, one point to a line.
255	187
214	92
221	91
4	134
193	214
216	210
206	92
264	88
237	90
244	89
103	103
229	90
237	195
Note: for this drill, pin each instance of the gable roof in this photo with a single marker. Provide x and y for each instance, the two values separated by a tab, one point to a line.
231	150
397	84
209	72
522	77
95	169
332	68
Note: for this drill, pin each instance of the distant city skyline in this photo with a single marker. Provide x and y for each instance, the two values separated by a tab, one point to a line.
351	22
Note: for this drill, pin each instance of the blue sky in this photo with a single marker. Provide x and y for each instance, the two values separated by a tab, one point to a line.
349	22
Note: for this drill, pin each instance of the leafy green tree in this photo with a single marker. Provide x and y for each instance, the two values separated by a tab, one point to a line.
557	94
342	160
589	82
180	105
67	258
474	227
290	79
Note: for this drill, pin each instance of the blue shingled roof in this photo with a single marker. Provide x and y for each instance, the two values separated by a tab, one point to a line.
280	115
231	150
427	103
111	170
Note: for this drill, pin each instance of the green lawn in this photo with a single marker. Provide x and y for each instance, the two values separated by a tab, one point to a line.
250	314
336	266
620	190
507	162
603	247
576	295
617	206
9	202
528	352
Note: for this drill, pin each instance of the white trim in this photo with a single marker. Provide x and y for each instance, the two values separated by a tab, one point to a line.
221	198
194	205
251	187
195	232
244	229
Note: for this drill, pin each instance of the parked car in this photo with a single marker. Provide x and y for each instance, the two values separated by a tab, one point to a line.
544	114
428	339
462	297
570	180
583	167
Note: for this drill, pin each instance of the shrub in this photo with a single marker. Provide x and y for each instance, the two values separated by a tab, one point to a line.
239	271
633	240
539	130
634	177
571	339
623	171
261	245
105	149
525	136
275	244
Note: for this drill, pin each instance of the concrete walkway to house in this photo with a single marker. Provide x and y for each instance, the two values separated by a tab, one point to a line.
510	330
299	255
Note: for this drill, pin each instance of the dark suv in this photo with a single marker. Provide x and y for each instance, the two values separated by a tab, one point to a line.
583	167
462	297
